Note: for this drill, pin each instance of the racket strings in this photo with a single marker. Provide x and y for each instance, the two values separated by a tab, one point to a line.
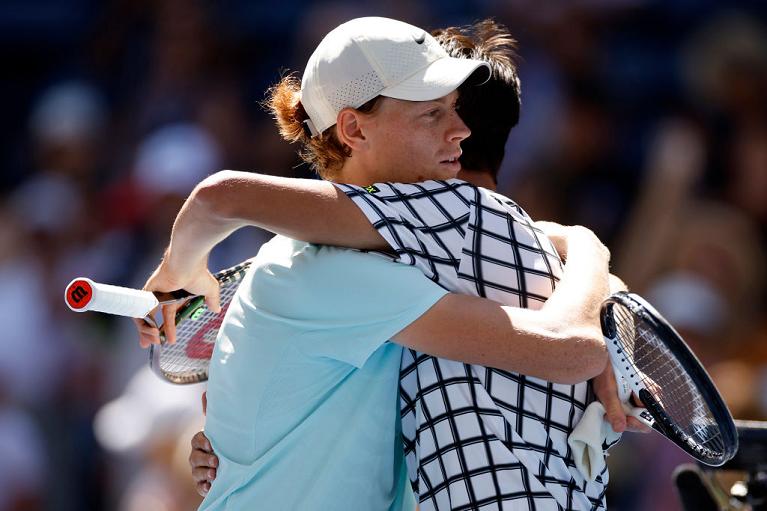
666	379
190	355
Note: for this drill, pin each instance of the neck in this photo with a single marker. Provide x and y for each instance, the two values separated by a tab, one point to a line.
481	178
355	173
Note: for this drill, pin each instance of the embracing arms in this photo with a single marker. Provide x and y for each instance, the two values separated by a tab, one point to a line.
561	342
304	209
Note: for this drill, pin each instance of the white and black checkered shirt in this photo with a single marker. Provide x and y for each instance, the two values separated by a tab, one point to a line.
476	437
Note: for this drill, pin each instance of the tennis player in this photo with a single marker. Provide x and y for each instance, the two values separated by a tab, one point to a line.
303	355
490	111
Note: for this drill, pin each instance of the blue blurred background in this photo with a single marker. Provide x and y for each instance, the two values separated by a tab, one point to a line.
645	120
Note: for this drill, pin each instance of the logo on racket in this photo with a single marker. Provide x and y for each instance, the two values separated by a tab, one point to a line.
79	294
201	344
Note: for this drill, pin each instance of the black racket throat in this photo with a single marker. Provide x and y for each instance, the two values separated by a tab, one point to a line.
663	423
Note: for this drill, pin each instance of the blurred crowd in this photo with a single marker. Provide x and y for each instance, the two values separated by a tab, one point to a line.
645	120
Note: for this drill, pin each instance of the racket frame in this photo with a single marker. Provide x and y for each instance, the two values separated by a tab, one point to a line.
645	312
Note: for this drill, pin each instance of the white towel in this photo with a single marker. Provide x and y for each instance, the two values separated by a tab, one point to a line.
587	439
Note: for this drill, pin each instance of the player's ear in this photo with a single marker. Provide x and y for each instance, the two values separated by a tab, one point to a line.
349	129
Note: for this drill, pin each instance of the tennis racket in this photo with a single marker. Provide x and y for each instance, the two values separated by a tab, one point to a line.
185	361
652	360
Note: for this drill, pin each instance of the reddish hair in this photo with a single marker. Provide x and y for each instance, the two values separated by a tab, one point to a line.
325	153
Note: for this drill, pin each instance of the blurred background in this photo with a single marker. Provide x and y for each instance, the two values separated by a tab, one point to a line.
645	120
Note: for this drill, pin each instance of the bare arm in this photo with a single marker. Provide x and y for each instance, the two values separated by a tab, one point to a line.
304	209
561	342
229	200
479	331
585	282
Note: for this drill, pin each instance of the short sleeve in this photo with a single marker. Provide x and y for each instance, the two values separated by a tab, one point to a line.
354	302
466	238
424	223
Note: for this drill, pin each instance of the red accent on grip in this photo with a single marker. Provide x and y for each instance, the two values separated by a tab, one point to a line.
79	294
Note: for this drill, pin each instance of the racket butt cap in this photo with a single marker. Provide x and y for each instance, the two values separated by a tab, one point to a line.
79	294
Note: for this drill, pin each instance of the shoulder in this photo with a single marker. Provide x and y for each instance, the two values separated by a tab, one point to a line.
286	260
291	275
501	203
453	195
434	189
449	191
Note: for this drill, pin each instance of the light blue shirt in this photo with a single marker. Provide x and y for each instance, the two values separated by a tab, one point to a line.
303	392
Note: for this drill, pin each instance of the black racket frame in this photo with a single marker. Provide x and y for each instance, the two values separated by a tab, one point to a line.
698	375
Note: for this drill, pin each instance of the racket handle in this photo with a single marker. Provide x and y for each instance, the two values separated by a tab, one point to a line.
624	389
83	294
624	394
640	414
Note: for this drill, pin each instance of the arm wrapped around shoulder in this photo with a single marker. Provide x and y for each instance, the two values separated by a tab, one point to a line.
479	331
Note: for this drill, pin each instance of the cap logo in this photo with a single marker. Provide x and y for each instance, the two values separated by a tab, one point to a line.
420	38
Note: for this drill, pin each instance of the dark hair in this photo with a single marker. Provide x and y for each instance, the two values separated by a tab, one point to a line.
492	109
325	153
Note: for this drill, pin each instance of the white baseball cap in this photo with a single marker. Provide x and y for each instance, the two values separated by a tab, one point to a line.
367	57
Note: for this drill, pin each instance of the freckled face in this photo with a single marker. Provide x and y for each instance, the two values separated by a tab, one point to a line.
413	141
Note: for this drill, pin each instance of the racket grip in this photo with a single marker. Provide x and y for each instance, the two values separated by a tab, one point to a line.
624	394
83	294
624	390
639	413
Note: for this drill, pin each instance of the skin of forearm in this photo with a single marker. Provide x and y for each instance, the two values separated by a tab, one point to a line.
562	355
478	331
198	228
304	209
584	285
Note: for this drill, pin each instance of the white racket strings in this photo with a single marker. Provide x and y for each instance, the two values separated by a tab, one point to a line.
195	338
667	380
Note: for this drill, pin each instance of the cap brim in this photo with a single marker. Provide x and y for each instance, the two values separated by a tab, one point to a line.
438	79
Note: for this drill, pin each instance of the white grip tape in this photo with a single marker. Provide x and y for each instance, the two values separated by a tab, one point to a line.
83	294
625	387
631	379
624	390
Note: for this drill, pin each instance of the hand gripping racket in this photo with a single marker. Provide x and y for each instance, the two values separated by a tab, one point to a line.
185	361
657	365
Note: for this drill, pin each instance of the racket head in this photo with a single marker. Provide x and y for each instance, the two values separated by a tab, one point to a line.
668	378
187	360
